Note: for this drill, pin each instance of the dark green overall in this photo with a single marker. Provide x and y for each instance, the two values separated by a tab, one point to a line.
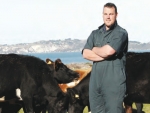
108	79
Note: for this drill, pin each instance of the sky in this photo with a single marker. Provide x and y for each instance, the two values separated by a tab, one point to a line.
28	21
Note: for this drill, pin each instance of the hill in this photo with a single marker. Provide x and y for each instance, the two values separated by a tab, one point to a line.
67	45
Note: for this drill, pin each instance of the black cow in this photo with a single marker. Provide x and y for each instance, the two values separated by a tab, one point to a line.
138	80
77	98
33	76
60	80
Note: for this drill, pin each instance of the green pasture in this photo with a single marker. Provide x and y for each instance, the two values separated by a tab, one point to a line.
146	109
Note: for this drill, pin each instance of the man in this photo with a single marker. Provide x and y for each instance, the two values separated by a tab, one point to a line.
107	47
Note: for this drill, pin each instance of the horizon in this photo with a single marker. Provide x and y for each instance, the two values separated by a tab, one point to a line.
61	40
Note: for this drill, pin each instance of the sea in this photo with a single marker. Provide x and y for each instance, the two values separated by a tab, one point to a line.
66	57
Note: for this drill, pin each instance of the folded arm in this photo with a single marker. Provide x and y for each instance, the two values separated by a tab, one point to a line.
98	53
105	51
90	55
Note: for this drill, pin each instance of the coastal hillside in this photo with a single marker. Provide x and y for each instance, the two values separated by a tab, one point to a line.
67	45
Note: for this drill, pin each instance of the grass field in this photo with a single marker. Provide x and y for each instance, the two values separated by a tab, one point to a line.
146	108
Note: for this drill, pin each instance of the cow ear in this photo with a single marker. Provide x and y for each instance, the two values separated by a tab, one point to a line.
48	61
57	64
58	61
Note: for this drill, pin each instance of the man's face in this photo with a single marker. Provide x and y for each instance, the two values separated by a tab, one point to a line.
109	16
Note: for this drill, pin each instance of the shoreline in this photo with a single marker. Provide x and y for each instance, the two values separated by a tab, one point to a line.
82	66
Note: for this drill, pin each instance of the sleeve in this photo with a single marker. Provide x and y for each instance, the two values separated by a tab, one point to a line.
89	43
119	42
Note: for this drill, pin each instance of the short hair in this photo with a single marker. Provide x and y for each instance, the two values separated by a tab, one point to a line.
110	5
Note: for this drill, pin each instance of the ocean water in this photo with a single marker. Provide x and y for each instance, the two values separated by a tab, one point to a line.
66	57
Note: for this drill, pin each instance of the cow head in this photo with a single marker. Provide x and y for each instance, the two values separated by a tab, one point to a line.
60	105
62	73
75	101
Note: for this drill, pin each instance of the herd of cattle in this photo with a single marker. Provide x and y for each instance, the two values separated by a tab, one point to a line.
39	82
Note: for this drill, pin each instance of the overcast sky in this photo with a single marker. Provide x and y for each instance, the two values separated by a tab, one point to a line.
27	21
